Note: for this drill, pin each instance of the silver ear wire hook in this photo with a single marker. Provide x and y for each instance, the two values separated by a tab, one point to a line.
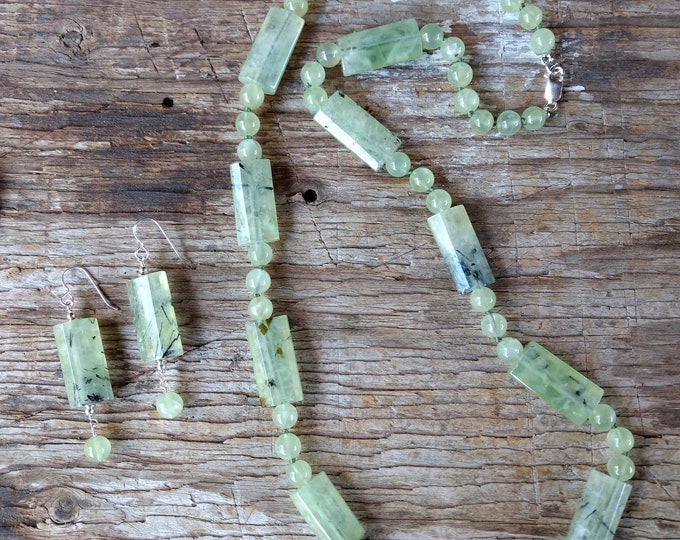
66	299
142	254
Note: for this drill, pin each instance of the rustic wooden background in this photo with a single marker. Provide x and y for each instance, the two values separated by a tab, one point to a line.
112	110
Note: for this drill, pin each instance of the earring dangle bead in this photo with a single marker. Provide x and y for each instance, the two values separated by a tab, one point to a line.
83	363
155	323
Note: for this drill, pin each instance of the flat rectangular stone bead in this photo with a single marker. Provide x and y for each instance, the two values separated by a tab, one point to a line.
271	49
461	249
81	354
254	204
325	511
380	47
154	317
274	363
357	130
599	511
560	385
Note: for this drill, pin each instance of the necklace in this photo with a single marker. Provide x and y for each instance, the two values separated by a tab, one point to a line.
274	365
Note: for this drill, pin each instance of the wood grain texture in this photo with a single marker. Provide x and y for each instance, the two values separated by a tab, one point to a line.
406	407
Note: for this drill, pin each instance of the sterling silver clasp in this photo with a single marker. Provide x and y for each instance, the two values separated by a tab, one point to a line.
554	83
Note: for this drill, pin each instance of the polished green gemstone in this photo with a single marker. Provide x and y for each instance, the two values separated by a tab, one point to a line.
81	354
452	49
460	74
314	98
169	404
284	415
530	17
325	511
380	47
421	179
621	467
328	54
431	36
466	101
97	448
249	150
154	317
508	123
481	121
603	417
482	299
542	41
534	118
287	446
251	96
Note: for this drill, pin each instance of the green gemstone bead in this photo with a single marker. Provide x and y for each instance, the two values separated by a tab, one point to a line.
249	150
314	98
466	101
398	164
534	118
460	74
313	74
299	473
247	124
438	201
97	448
530	17
482	299
287	446
421	179
494	325
258	281
621	467
169	404
260	308
284	415
452	49
328	54
542	41
603	417
481	121
620	440
251	96
260	254
509	350
299	7
508	123
432	36
511	6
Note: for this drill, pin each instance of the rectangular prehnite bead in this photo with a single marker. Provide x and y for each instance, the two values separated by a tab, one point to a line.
154	317
81	353
461	249
357	130
599	511
271	49
560	385
325	511
274	363
380	47
254	204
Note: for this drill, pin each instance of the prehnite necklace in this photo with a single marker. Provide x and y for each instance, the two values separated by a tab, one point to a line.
278	383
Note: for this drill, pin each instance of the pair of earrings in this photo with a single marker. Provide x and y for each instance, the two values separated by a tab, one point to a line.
81	352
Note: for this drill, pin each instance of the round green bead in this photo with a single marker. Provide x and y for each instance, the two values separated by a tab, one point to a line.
398	164
260	254
421	179
508	123
328	54
542	41
494	325
621	467
287	446
466	101
284	416
258	281
460	74
603	417
299	7
509	350
169	404
482	299
534	118
438	201
452	49
314	98
260	308
97	448
481	121
247	124
251	96
431	35
249	150
511	6
530	17
313	74
620	440
299	473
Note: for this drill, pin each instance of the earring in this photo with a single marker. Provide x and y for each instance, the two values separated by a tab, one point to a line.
81	354
158	336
